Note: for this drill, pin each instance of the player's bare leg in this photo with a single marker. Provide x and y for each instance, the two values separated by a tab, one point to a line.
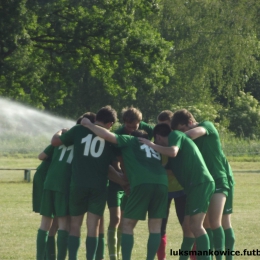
101	241
201	237
42	236
74	236
112	239
128	226
154	226
207	227
215	212
93	222
188	237
51	243
229	234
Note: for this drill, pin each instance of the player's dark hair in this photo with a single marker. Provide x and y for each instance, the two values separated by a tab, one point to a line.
91	116
106	115
165	115
162	130
131	114
140	133
183	117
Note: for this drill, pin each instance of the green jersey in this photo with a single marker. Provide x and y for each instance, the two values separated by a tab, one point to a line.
121	131
92	157
142	163
44	166
229	172
58	175
211	150
142	126
39	178
188	166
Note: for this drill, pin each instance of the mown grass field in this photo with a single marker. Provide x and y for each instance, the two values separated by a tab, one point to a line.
18	224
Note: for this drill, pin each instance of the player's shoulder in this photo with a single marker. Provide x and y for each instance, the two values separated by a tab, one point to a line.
124	137
49	150
210	127
72	130
177	133
207	124
145	126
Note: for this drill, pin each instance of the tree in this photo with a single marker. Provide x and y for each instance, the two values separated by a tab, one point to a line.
244	116
73	43
215	47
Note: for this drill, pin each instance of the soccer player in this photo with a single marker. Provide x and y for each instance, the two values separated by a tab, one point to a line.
38	183
90	115
148	185
132	120
100	253
55	200
92	157
116	198
175	191
206	137
186	161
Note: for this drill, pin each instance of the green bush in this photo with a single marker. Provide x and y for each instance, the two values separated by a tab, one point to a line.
244	116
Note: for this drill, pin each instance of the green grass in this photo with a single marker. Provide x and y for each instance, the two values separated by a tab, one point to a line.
19	224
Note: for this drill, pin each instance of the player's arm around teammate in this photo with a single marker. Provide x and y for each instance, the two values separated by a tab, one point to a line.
148	191
92	157
207	139
117	198
190	170
175	191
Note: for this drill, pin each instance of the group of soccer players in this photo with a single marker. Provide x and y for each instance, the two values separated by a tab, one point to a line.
185	162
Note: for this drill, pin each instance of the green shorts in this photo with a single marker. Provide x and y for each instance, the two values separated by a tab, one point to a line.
54	203
123	202
198	198
38	181
84	200
114	195
151	198
228	208
222	186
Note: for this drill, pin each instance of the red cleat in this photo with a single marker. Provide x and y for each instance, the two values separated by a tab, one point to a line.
193	256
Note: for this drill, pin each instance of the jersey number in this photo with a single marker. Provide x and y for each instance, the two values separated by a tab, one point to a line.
64	150
91	145
150	152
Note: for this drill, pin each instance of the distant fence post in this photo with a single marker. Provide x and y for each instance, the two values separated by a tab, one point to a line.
27	175
27	172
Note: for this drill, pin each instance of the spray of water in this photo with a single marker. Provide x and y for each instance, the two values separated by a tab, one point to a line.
27	130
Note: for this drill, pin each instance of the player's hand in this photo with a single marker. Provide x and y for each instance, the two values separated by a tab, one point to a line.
145	141
85	122
64	130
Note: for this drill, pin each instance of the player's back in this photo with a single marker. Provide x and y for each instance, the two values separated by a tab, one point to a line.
92	156
59	172
211	150
142	163
188	166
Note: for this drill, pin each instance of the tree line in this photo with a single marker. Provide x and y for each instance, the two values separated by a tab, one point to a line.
72	56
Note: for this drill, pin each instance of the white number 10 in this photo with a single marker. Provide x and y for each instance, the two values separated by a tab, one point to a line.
90	145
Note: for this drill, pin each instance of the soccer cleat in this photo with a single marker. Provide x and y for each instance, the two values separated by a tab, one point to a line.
193	257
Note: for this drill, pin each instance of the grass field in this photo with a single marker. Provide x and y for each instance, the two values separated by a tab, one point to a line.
19	224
